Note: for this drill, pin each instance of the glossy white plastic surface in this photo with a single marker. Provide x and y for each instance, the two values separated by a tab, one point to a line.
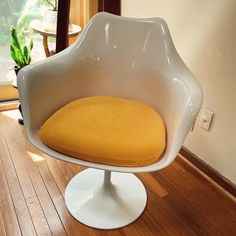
115	56
105	203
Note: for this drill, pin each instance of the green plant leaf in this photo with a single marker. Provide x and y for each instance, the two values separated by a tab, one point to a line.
15	40
16	56
20	51
31	43
26	56
21	40
13	54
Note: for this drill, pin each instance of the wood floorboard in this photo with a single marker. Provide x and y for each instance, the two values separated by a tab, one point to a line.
174	225
15	190
32	186
8	212
48	207
153	185
206	188
180	202
38	217
2	227
21	171
57	198
65	169
15	131
11	223
202	193
57	174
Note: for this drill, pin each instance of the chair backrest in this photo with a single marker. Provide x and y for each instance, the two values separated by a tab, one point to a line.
116	56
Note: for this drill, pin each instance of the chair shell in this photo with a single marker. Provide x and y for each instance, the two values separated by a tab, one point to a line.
115	56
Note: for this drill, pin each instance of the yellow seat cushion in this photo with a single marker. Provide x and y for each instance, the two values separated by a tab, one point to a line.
106	130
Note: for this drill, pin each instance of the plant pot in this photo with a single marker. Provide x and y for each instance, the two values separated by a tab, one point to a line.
20	121
50	21
16	69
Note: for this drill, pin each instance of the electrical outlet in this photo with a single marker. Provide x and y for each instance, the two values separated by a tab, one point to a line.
206	119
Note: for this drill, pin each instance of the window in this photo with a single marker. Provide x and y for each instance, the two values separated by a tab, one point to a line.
14	13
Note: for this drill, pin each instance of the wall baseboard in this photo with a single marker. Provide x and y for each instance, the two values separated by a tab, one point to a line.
226	184
9	105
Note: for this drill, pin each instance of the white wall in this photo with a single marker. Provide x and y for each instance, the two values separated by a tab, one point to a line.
204	33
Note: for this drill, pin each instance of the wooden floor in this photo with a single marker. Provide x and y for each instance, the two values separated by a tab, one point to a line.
32	185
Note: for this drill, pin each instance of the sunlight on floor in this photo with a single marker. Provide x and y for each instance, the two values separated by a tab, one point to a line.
35	157
14	114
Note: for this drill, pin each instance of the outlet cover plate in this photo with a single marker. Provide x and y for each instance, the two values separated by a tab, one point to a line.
206	119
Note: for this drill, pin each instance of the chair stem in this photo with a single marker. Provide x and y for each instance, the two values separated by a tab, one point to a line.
107	177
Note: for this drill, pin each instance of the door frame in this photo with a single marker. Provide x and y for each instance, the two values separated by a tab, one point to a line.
111	6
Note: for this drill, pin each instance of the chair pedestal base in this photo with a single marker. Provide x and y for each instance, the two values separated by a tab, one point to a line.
105	201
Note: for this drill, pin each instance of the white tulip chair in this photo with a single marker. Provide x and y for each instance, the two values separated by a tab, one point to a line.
121	57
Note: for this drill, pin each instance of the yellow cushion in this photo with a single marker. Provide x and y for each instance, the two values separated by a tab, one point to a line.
106	130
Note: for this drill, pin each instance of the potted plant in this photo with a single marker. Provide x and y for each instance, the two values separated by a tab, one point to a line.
20	53
50	18
20	49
